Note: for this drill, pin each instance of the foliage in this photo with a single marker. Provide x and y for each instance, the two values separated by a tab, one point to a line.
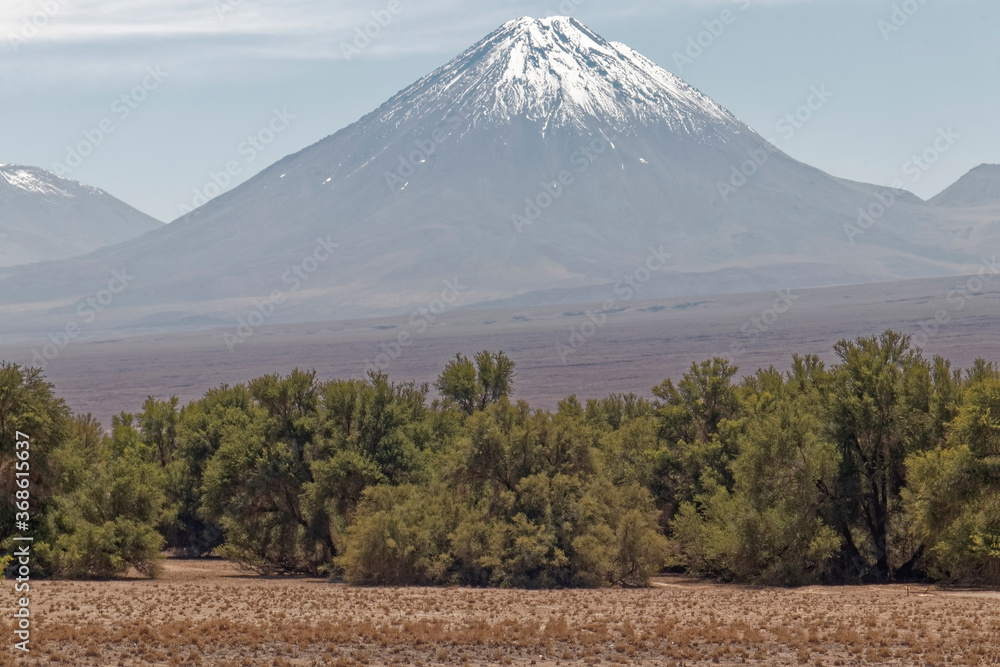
954	491
881	467
399	536
698	423
473	386
768	528
880	413
28	405
107	518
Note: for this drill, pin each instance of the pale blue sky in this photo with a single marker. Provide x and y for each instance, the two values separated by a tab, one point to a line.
229	64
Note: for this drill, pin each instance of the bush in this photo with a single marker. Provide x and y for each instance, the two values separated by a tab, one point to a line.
92	551
110	519
884	467
399	536
768	527
953	498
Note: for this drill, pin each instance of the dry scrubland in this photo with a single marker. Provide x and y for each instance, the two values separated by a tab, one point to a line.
208	613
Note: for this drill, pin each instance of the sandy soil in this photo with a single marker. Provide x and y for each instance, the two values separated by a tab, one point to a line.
209	613
636	348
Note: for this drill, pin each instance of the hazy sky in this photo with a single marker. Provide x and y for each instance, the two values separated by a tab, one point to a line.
164	92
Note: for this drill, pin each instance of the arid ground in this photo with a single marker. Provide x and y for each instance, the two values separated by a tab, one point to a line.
207	612
639	345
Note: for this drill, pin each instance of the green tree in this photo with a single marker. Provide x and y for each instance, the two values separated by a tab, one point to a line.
28	406
474	386
399	536
616	410
619	540
953	496
200	429
107	517
631	453
881	413
286	476
540	511
158	424
698	423
251	488
768	528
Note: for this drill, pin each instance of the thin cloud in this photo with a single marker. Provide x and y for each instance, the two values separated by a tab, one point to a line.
98	33
105	21
98	20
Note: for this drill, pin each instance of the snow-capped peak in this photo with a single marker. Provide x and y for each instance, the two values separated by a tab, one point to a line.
557	72
40	182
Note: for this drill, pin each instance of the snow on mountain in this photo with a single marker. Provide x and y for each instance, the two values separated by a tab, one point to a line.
46	217
33	181
556	72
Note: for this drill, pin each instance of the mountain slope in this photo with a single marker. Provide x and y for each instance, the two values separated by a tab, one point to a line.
544	164
978	188
45	217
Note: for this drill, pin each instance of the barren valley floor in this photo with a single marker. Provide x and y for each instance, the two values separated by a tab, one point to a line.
207	612
559	350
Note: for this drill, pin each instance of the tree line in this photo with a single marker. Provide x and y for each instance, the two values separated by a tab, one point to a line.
884	466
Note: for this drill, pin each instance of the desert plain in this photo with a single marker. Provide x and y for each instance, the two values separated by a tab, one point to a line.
207	612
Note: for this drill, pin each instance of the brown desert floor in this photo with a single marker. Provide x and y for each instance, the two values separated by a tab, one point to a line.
207	612
636	348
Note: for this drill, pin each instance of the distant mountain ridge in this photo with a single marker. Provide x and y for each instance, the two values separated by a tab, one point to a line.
978	188
45	217
542	165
